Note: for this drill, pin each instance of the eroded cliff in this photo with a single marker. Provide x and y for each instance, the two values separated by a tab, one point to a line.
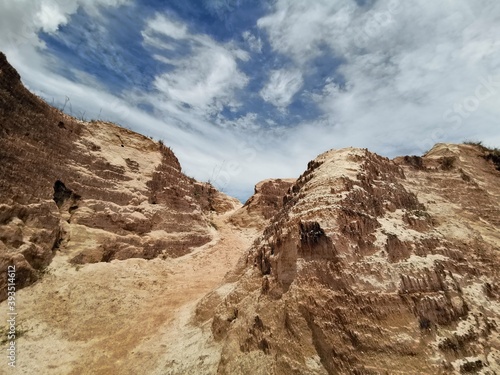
91	190
373	266
267	201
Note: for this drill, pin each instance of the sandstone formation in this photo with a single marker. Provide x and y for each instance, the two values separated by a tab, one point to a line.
373	266
266	201
362	265
92	190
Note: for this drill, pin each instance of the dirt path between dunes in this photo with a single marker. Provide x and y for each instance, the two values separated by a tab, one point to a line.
124	317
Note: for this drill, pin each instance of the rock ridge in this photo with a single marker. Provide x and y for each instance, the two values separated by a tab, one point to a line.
372	263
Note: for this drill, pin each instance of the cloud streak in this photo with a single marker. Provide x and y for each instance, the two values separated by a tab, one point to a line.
281	87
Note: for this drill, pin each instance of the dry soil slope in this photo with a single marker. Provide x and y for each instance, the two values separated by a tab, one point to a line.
373	266
125	317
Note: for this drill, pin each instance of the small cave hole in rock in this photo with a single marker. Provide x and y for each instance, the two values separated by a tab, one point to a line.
62	194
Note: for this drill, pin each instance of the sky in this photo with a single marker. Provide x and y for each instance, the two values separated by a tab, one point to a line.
245	90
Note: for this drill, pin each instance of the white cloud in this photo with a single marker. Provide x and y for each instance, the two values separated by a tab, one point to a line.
281	87
206	77
297	28
20	20
205	81
165	26
402	67
248	122
254	42
50	16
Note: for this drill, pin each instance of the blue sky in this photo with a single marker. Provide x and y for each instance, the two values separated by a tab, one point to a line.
246	90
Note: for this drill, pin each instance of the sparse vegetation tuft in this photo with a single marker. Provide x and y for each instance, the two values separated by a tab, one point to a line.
491	154
447	163
473	143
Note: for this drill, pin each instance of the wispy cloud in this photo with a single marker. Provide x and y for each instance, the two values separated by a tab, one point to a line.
255	43
22	19
281	87
205	74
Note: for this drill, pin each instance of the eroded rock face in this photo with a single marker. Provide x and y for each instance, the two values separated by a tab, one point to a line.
93	190
29	237
372	266
266	201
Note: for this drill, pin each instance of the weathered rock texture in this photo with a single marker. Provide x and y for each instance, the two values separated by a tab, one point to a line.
93	190
373	266
266	201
